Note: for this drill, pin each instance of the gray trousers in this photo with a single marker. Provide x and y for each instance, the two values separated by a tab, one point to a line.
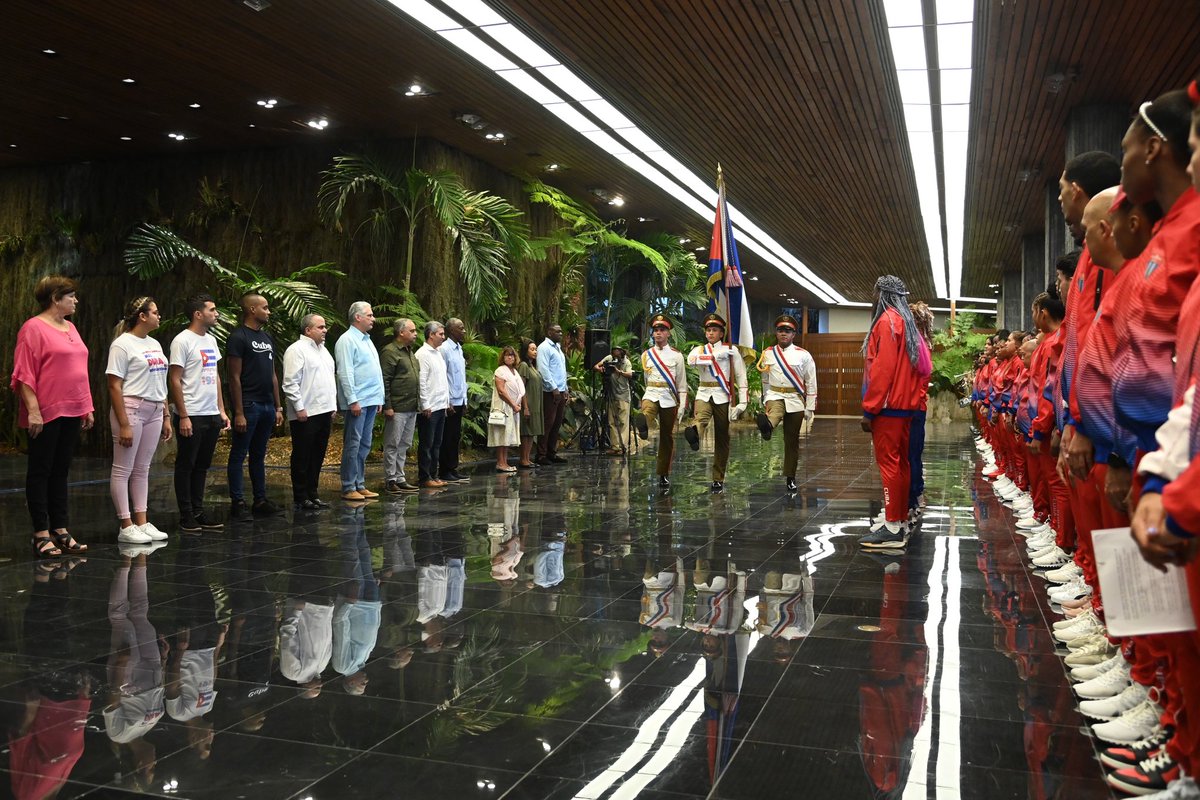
398	432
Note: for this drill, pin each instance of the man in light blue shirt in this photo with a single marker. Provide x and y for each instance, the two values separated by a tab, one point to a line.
360	397
456	376
552	364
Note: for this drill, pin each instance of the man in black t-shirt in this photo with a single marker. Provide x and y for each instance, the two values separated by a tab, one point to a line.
254	399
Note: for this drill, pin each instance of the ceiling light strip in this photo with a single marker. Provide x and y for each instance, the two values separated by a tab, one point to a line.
575	89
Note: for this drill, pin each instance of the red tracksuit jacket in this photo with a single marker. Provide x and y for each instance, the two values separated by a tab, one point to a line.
1045	369
891	384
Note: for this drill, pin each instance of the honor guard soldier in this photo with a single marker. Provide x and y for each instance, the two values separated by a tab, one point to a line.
666	394
721	367
789	392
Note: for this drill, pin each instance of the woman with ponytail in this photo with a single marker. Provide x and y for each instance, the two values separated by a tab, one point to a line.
923	317
137	389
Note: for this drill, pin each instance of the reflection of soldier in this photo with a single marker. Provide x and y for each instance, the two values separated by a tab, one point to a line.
662	603
720	600
785	607
306	632
356	612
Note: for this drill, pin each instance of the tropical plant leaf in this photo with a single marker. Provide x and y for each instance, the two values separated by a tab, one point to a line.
152	251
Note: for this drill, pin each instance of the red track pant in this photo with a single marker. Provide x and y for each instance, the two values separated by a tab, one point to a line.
890	437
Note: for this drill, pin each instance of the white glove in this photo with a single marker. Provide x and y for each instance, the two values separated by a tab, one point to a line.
808	415
736	411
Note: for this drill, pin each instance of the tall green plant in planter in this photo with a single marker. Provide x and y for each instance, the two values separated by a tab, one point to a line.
954	351
152	251
487	230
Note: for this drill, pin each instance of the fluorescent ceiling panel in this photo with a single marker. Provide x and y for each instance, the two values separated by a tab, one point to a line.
425	14
475	47
954	46
955	119
568	114
955	11
479	12
914	86
917	119
956	85
529	85
566	80
607	112
520	45
903	12
908	48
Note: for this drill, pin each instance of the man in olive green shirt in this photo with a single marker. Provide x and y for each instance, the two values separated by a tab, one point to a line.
401	381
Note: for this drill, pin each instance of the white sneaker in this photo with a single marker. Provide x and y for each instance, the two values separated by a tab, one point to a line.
153	532
1070	592
1096	670
1112	707
1110	684
130	550
1086	637
1136	723
133	535
1039	541
1097	652
1003	484
1022	507
1179	789
1029	523
1064	574
1065	624
1055	558
1044	551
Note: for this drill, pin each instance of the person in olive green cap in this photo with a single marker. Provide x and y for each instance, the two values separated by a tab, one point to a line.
721	368
789	392
665	400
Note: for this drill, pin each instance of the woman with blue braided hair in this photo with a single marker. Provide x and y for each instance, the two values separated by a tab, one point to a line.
896	371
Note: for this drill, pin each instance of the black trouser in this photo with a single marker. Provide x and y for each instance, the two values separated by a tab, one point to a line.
193	456
429	443
553	410
310	440
50	454
451	439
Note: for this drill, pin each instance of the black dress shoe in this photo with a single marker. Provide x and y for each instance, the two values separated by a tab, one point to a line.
692	436
308	505
319	503
764	426
791	484
664	482
717	487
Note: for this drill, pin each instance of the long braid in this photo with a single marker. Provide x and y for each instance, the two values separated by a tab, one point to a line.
893	294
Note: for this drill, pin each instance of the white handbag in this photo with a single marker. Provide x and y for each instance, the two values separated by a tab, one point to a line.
497	418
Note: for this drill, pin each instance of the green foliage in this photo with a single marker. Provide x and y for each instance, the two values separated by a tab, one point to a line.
954	352
487	229
153	251
398	303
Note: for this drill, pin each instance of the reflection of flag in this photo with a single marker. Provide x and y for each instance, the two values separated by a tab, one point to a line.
725	290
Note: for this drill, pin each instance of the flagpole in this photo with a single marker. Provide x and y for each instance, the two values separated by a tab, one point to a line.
722	216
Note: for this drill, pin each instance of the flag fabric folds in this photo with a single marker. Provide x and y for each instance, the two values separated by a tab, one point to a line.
726	292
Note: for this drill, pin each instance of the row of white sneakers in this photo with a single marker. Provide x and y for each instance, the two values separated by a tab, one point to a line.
1125	714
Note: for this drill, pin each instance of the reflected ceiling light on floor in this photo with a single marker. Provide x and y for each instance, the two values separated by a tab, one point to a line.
318	124
179	137
193	105
49	52
128	80
126	138
558	89
954	42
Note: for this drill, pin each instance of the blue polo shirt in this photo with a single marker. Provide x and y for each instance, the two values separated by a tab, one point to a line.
359	376
456	371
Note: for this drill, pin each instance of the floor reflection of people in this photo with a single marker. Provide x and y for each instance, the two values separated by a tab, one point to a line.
662	602
44	716
135	671
356	612
505	540
195	651
398	633
250	643
891	698
785	608
306	629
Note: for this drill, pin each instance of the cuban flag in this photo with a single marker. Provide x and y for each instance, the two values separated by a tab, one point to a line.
726	292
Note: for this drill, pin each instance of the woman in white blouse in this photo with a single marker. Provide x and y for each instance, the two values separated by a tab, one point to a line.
137	388
508	399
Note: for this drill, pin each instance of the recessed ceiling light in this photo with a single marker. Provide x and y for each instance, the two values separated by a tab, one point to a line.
269	103
684	241
552	168
126	138
49	52
318	124
63	116
179	137
752	278
194	105
128	80
12	145
416	88
251	125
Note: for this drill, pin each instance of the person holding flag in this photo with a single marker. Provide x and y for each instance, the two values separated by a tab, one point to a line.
789	392
721	367
666	395
726	292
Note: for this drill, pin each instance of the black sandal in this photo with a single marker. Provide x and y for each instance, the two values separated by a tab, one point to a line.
44	547
67	543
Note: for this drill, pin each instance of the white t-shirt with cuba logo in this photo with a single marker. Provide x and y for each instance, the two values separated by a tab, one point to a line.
198	356
141	364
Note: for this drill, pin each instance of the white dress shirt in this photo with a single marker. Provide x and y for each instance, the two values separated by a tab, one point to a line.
309	382
434	392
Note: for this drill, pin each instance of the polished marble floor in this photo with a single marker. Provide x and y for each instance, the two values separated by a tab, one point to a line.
570	633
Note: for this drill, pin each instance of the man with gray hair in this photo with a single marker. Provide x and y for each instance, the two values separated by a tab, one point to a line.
310	391
360	396
401	384
433	401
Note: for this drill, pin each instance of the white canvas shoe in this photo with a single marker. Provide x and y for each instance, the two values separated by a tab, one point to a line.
153	532
133	535
1114	706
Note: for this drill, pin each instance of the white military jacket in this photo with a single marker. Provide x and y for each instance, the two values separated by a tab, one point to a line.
659	364
721	367
779	381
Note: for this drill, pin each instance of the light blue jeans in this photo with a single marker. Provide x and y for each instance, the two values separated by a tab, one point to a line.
356	443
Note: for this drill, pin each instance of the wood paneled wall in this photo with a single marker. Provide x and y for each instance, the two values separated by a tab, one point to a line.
839	371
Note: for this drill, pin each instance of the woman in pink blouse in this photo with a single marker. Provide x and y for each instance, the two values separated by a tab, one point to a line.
50	377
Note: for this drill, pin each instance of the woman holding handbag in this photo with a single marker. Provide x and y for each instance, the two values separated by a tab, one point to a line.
508	404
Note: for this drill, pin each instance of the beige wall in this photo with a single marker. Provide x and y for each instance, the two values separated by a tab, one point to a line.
849	320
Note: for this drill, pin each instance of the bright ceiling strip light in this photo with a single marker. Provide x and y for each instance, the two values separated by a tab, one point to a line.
574	89
955	42
988	300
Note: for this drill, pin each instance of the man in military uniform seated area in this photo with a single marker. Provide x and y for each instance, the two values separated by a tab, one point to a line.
721	368
789	392
665	399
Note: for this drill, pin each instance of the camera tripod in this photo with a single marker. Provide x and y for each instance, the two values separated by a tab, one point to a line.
593	431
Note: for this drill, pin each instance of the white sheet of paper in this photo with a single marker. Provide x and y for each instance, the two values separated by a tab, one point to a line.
1138	599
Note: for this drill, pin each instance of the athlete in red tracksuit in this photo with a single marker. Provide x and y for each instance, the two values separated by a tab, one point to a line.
897	367
1052	504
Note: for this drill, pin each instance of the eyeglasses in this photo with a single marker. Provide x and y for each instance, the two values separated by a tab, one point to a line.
1150	124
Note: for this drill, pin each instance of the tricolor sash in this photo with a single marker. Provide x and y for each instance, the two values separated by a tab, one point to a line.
662	370
788	615
718	373
789	371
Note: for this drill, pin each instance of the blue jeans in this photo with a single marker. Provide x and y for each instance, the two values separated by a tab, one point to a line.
356	443
916	466
429	443
260	420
